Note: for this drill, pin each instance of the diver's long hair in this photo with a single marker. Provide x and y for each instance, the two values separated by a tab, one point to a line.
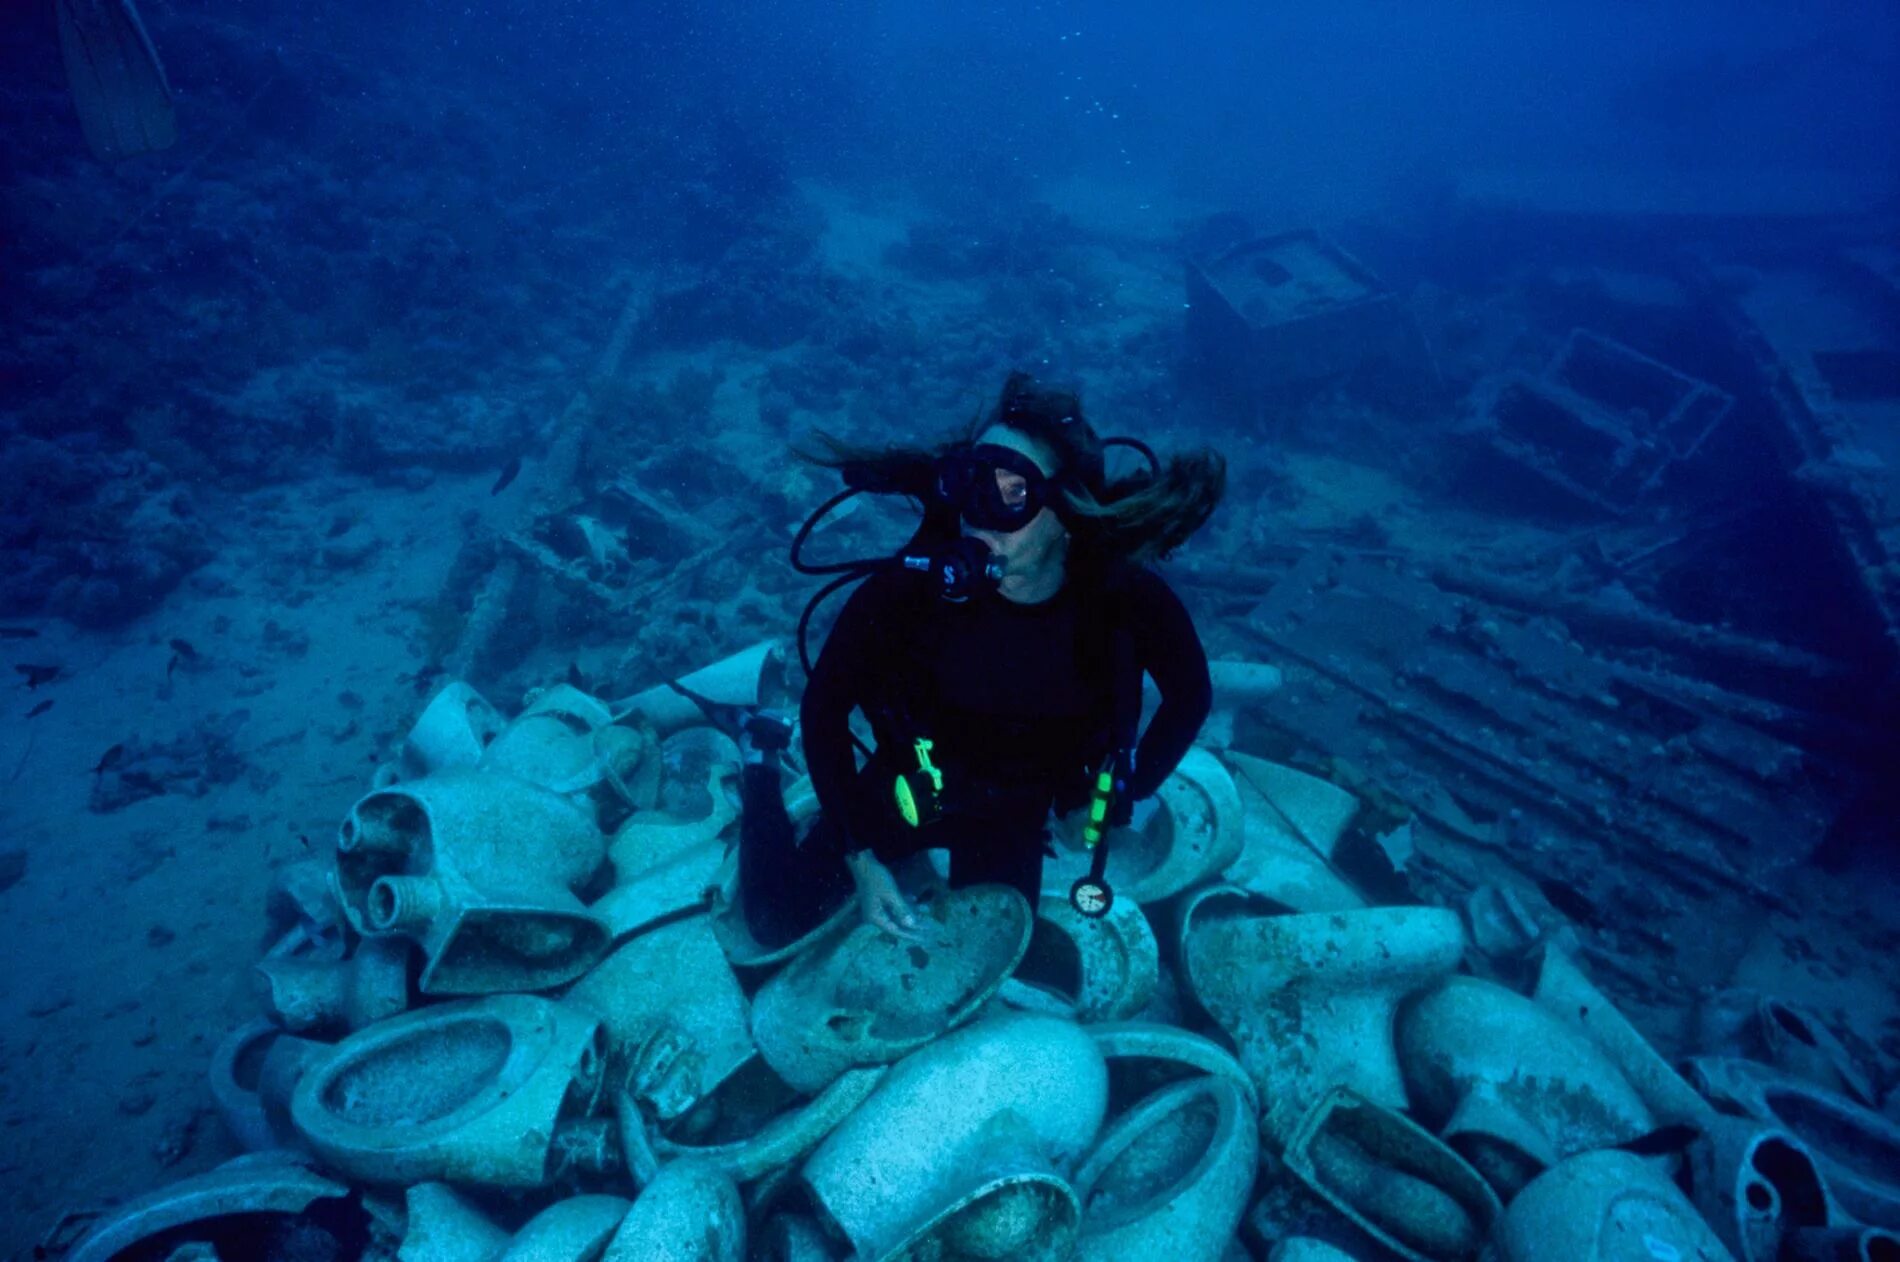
1140	517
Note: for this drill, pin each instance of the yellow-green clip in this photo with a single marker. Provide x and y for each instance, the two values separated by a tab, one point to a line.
907	804
1097	826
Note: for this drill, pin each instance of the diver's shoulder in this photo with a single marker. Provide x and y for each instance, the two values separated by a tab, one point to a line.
1133	581
1144	599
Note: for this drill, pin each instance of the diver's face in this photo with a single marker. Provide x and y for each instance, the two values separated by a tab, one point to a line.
1028	551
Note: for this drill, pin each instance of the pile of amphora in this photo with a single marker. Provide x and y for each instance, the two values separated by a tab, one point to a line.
517	1015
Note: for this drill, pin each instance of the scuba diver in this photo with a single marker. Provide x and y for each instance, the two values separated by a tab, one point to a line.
998	659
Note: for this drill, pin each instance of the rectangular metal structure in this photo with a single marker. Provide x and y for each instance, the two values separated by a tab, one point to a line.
1279	318
1601	424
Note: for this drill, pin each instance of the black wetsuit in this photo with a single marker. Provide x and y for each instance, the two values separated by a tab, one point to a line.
1019	702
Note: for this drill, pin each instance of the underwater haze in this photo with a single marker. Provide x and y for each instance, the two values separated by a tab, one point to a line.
356	350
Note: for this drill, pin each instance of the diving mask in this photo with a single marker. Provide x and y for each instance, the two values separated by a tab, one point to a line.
992	487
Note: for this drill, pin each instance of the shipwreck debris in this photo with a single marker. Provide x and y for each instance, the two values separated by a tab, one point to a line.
1823	339
1280	318
1416	684
1601	425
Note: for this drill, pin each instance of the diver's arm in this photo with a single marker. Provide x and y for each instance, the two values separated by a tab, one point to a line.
851	658
848	662
1168	648
880	901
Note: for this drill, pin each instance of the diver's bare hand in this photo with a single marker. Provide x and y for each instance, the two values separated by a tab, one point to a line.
881	903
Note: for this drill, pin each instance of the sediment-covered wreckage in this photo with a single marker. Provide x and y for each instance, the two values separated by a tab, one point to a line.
1407	955
1714	460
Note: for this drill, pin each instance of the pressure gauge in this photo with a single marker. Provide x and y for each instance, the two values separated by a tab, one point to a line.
1092	897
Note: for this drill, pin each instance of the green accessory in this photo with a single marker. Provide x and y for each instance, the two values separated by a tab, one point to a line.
1099	799
1092	895
920	792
